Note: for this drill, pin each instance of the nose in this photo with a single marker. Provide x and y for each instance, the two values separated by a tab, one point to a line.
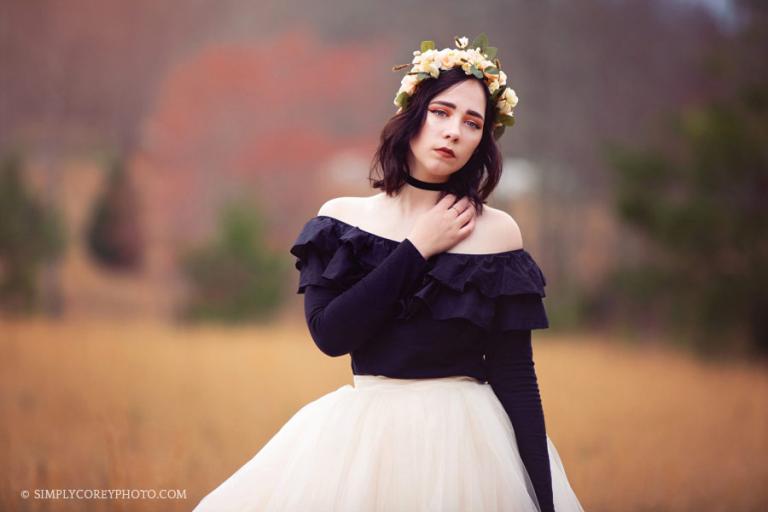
451	131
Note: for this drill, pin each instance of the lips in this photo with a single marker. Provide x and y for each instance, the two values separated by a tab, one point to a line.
447	152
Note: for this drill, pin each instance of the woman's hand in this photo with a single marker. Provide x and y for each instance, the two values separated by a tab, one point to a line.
443	226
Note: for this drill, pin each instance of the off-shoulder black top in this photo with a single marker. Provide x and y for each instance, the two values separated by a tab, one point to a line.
403	316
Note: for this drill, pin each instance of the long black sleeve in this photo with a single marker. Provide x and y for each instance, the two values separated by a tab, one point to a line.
340	321
511	374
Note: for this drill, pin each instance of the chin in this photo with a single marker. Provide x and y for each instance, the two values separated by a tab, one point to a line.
444	169
452	170
442	172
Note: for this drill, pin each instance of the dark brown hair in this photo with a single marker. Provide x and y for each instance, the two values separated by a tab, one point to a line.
479	176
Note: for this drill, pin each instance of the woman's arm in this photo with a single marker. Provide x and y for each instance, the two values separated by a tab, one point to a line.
511	374
340	321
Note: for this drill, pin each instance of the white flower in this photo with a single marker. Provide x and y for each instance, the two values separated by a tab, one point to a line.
493	86
502	78
510	97
448	59
473	54
462	42
409	79
429	66
429	54
408	84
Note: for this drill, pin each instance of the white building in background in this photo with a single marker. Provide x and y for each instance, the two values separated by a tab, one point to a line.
519	178
347	169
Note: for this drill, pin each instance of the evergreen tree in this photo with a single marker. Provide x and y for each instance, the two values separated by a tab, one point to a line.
31	235
114	235
700	197
704	206
234	277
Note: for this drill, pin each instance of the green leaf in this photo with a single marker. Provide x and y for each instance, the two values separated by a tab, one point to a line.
491	70
421	75
507	120
498	131
402	99
498	93
473	69
427	45
481	42
490	52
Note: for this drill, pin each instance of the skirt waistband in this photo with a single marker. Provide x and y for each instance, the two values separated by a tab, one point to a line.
382	382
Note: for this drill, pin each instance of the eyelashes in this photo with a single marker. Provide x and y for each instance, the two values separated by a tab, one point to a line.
442	113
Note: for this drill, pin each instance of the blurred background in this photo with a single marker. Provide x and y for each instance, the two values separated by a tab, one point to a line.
158	159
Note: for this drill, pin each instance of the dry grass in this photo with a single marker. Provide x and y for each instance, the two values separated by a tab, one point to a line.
151	407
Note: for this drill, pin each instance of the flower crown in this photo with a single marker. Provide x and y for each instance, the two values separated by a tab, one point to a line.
475	60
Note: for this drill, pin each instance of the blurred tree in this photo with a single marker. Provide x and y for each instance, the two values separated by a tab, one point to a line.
700	197
114	235
704	204
234	278
31	234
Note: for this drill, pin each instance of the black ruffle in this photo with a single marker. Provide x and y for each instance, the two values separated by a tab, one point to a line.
500	291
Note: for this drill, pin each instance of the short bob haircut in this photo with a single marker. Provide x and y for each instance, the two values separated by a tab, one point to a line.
479	176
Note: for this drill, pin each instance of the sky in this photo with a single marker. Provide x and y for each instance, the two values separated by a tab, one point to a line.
722	9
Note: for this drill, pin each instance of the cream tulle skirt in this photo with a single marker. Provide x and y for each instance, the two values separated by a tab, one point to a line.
390	445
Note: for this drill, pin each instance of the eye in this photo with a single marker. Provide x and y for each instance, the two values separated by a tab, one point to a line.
442	113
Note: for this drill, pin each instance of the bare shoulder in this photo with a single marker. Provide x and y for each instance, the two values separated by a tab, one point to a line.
496	231
333	207
346	208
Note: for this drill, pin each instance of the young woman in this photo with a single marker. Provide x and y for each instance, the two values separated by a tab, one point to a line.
434	297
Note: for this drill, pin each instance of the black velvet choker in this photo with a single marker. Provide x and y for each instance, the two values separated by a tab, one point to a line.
425	185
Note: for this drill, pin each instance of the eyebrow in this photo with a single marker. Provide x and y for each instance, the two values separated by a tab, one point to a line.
449	104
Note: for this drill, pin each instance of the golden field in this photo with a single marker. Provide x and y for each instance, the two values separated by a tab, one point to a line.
145	406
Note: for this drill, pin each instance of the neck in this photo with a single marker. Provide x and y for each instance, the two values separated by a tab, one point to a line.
412	200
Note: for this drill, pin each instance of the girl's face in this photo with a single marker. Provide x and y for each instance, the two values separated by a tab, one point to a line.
454	121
